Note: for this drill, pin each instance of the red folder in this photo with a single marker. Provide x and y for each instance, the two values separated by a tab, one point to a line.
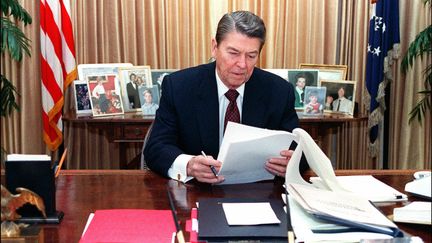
130	225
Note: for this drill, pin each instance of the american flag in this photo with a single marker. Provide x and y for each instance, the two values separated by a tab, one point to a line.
58	67
382	49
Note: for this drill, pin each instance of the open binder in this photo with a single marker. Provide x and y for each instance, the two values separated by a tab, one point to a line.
213	226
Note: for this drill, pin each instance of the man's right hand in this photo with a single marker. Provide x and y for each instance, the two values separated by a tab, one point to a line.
199	168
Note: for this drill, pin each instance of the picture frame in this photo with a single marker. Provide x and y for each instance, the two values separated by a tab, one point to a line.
149	97
131	80
314	100
283	73
99	68
158	76
327	72
105	94
301	78
332	95
82	98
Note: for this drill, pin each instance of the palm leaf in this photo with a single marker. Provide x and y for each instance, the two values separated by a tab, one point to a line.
14	9
421	45
7	99
14	40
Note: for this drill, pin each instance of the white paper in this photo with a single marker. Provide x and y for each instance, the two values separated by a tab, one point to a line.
249	213
317	160
415	212
342	205
366	186
28	157
245	149
90	218
304	225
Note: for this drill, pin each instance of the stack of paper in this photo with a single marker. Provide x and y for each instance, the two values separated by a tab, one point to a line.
415	212
342	208
366	186
245	149
309	228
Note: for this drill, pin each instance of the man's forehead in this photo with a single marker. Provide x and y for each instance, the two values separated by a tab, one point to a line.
240	42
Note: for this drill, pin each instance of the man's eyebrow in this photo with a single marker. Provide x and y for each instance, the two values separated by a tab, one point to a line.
230	48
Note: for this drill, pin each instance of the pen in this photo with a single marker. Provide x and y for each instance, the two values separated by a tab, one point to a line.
211	166
179	232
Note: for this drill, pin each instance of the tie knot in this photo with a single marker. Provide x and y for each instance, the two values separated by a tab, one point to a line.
232	95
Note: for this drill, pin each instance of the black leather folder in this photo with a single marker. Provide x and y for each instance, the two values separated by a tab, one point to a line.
213	226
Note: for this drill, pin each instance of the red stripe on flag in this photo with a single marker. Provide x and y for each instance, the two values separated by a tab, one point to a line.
52	90
53	33
49	81
67	29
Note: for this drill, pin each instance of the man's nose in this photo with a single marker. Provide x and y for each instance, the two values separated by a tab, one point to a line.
241	62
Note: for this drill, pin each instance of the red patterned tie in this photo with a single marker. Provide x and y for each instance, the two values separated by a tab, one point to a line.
232	112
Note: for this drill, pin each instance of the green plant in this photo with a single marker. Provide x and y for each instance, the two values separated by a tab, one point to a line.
14	40
421	46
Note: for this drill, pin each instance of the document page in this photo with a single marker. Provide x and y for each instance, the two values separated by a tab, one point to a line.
249	213
245	149
366	186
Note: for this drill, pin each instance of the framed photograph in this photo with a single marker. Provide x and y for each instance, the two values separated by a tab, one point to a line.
327	72
300	78
82	98
314	100
283	73
149	97
158	76
105	68
105	95
340	95
131	80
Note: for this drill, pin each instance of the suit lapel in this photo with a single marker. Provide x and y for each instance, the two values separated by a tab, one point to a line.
253	113
208	111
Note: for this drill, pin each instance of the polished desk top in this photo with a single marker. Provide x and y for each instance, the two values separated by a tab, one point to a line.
81	192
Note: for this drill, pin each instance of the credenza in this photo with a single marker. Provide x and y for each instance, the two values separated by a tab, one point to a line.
89	138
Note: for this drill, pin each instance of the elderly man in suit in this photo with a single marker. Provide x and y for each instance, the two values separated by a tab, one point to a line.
192	109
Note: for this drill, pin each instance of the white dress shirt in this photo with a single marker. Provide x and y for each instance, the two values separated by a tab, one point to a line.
344	105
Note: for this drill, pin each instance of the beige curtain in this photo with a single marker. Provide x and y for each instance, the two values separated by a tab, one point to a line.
177	34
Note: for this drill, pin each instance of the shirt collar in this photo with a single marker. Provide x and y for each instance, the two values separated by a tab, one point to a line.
222	89
300	91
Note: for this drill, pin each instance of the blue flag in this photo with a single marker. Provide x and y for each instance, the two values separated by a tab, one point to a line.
382	48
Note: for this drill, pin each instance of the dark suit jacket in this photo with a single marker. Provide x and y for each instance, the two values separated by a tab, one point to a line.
133	95
187	120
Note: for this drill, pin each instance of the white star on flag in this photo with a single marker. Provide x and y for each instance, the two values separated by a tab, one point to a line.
377	51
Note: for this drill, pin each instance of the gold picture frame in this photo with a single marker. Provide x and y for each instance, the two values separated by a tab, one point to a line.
327	72
131	91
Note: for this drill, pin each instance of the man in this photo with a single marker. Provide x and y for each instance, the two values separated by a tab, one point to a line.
191	114
132	92
342	104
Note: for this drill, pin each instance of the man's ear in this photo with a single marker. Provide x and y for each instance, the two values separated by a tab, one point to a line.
213	47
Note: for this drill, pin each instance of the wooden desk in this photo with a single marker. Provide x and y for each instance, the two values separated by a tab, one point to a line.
81	192
131	128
